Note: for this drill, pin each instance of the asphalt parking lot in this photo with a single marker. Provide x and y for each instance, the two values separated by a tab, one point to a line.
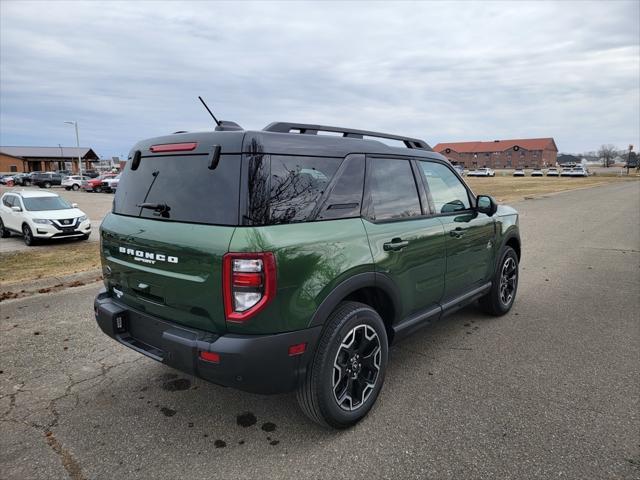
550	390
95	205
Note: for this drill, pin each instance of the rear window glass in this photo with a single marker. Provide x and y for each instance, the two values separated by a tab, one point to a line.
182	189
286	189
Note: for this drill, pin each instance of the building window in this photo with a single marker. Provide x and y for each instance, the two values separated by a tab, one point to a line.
13	168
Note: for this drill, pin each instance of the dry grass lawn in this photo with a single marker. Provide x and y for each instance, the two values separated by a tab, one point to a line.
50	261
509	189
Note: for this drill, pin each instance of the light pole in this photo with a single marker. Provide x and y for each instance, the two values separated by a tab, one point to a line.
75	124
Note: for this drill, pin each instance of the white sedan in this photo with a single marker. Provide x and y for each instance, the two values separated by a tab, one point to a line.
41	215
482	172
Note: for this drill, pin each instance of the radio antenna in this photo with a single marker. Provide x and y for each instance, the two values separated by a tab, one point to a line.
210	112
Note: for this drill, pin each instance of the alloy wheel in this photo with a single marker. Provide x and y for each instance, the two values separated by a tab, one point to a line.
356	368
508	280
26	232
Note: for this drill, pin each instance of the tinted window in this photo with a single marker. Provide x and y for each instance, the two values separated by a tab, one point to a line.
191	191
8	200
446	190
392	189
346	195
296	184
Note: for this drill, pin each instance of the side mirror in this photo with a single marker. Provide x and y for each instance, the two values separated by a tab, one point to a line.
74	205
16	209
486	204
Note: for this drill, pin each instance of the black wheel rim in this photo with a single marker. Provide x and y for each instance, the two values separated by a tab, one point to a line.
356	368
508	280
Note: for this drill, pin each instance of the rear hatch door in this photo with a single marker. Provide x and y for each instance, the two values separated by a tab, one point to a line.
167	261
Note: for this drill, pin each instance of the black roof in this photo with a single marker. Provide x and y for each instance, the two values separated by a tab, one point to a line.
295	139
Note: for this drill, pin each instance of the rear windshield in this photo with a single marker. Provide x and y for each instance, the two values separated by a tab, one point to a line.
181	189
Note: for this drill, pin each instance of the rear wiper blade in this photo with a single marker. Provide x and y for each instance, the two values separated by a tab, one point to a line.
158	207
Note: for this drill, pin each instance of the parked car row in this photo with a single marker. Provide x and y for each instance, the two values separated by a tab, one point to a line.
577	171
38	215
106	182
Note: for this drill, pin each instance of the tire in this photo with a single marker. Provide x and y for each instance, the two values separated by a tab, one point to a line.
97	189
4	233
27	235
504	287
27	183
47	184
350	325
75	187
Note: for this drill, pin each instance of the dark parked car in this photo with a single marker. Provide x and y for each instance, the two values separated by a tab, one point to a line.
46	180
287	260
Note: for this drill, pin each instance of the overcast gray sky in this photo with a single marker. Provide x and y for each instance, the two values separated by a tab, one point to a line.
441	71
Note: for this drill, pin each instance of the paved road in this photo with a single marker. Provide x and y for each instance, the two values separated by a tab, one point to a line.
549	391
95	205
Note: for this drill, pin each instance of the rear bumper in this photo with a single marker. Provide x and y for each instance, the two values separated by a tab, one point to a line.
253	363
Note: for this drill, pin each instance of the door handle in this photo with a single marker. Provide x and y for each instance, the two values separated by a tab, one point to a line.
395	245
457	233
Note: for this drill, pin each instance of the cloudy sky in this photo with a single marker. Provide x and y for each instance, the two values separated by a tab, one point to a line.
441	71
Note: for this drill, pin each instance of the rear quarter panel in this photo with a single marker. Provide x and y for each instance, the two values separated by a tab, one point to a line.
312	259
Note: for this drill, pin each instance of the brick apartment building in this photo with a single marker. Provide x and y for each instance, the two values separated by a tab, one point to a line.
44	159
529	152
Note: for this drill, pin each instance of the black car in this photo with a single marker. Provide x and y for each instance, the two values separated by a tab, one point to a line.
46	180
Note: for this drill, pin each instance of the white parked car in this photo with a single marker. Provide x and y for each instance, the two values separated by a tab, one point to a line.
536	172
579	171
74	182
482	172
552	172
41	215
518	172
566	172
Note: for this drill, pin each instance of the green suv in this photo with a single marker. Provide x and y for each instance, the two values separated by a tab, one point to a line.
291	258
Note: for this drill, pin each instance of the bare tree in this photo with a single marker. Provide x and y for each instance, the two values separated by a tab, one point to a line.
607	153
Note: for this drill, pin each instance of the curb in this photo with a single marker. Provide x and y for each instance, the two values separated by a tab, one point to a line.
49	284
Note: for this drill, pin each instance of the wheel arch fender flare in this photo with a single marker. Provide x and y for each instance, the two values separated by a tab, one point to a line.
352	284
511	236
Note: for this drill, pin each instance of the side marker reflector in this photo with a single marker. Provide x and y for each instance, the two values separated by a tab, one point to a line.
212	357
297	349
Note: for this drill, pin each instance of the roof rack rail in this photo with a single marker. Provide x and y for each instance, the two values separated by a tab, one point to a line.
308	129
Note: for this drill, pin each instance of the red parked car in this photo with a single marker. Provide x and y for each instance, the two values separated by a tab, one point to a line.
95	184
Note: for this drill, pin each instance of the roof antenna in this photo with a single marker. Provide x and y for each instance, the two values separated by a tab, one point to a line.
210	112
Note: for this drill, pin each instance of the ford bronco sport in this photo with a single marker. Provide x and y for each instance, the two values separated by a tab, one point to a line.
292	258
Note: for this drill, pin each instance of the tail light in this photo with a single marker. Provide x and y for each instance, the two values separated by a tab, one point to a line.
248	284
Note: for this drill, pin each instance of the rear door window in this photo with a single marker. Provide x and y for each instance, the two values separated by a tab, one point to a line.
183	188
346	195
392	190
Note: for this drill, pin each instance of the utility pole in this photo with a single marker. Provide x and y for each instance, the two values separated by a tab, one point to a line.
75	124
629	158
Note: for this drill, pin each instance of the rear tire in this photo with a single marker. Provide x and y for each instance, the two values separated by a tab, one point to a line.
47	185
4	233
27	235
504	286
346	374
97	189
75	187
